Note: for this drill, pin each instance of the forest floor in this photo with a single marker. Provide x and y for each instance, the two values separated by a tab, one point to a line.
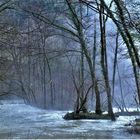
18	120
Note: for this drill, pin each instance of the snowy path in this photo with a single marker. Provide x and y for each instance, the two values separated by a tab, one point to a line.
23	121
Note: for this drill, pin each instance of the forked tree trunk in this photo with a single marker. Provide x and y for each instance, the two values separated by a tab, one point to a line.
79	27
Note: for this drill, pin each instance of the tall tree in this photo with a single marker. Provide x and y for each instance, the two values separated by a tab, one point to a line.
104	62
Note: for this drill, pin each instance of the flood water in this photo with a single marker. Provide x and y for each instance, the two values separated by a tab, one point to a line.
18	120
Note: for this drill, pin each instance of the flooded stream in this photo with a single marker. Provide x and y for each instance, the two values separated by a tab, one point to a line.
18	120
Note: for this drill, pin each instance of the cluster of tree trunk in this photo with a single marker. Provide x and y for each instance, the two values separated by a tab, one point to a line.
45	37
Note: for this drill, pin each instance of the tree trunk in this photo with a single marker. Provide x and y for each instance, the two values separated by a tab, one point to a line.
124	32
104	63
79	29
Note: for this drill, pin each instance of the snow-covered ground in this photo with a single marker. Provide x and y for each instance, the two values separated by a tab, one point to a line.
18	120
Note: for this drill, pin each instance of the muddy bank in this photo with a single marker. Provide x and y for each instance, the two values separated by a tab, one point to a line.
132	113
134	127
88	115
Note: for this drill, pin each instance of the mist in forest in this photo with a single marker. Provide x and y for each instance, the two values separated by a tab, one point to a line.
61	55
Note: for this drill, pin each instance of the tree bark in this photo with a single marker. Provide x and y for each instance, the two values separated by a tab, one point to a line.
104	63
